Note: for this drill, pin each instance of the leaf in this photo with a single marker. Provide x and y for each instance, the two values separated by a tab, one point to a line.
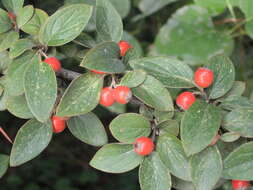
17	105
65	25
168	127
133	78
224	76
104	57
214	6
24	15
33	26
88	128
249	28
32	138
239	121
199	126
239	163
170	71
181	184
236	102
16	73
81	96
149	7
4	160
153	174
245	7
230	137
154	94
5	22
13	5
133	41
173	156
5	61
206	168
127	127
85	40
5	94
191	36
8	39
116	158
40	89
123	7
20	46
108	22
237	89
161	116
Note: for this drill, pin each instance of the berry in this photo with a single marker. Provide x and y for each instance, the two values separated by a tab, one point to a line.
107	97
185	100
11	15
122	94
143	146
98	72
54	63
240	185
203	77
58	124
124	46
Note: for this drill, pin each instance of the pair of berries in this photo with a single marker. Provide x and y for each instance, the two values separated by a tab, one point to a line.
240	185
203	77
124	46
58	123
120	94
143	146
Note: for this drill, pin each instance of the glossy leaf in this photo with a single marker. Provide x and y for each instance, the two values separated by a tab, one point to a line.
88	128
81	96
8	39
108	21
5	22
206	168
20	46
31	139
13	5
170	71
24	15
40	89
133	78
127	127
116	158
199	126
154	94
4	160
65	24
153	174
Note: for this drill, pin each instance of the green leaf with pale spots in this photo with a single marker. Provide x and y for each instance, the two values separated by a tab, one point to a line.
4	160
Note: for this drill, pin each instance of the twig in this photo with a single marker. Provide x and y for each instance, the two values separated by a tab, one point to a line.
228	20
68	74
5	135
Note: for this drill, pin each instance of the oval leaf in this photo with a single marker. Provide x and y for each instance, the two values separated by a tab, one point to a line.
127	127
4	160
168	127
230	137
8	39
13	5
20	46
133	78
24	15
5	22
32	138
116	158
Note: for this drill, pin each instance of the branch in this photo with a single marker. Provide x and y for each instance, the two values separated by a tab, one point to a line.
68	74
5	135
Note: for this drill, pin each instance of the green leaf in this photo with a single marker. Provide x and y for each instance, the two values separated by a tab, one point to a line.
206	168
214	6
236	102
20	46
108	21
149	7
65	25
168	127
13	5
230	137
191	36
85	40
153	174
5	61
24	15
239	121
199	126
5	95
224	76
133	78
239	163
16	73
181	184
133	41
5	22
173	156
116	158
40	89
170	71
245	6
127	127
154	94
33	26
32	138
117	108
249	28
104	57
4	160
162	116
237	89
8	39
88	128
17	105
123	7
81	96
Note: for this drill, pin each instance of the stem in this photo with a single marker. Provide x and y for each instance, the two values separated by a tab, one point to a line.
42	53
5	135
68	74
203	93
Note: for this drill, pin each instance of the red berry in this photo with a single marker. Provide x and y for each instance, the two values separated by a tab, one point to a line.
107	97
58	124
11	15
122	94
98	72
240	185
203	77
185	100
124	46
143	146
54	63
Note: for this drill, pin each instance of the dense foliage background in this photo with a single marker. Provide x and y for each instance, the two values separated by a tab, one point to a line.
64	164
